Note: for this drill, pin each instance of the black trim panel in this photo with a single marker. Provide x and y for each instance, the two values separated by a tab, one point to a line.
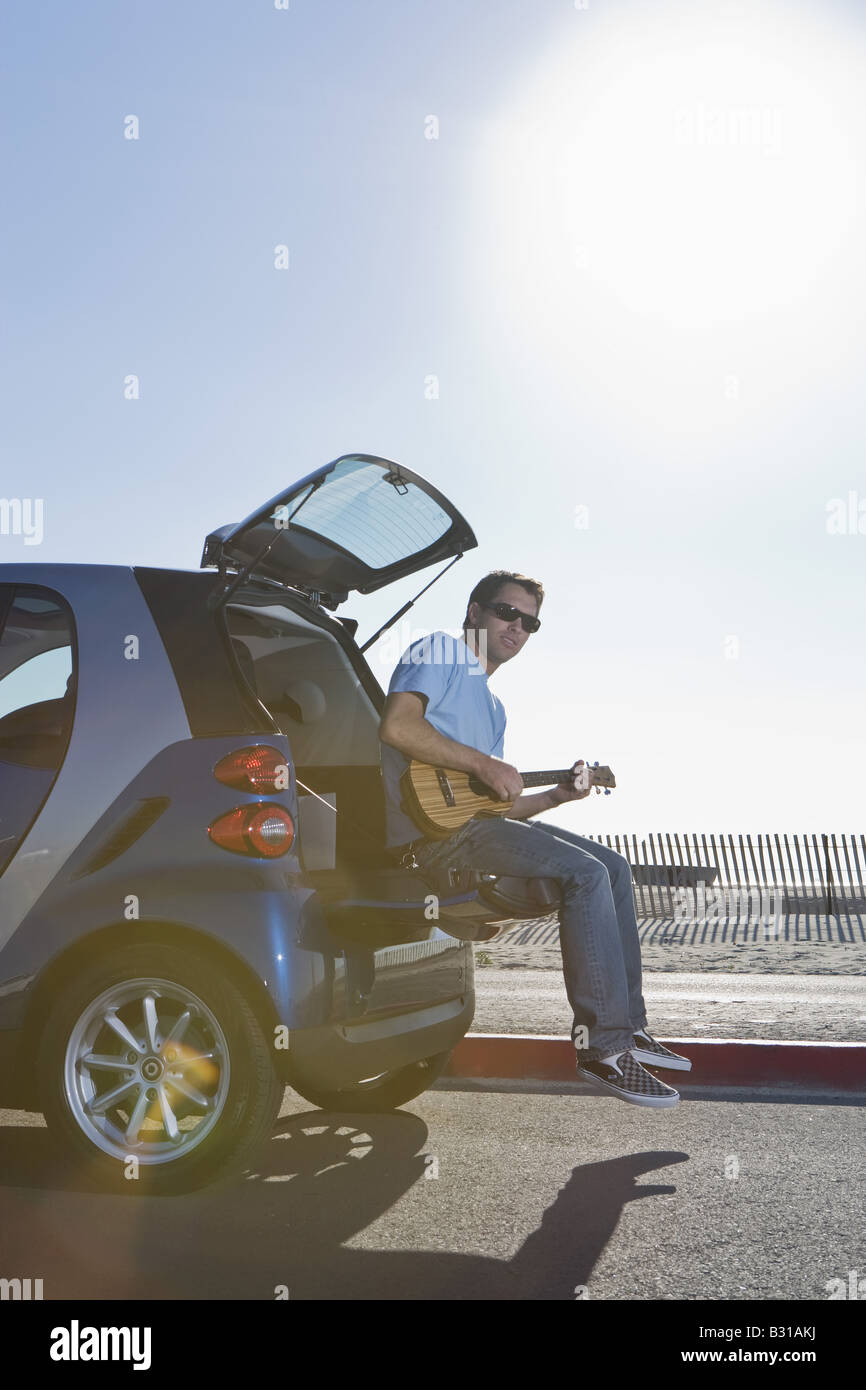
215	699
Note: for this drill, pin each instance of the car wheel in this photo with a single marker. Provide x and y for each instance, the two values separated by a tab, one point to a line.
154	1069
378	1093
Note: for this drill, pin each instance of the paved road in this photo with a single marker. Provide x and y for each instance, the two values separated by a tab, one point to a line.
686	1004
473	1191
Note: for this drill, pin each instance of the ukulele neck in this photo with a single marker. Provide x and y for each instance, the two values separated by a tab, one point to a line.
545	779
529	779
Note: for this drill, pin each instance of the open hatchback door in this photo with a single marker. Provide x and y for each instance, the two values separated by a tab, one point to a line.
358	523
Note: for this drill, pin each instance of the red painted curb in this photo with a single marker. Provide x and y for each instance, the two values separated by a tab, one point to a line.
715	1061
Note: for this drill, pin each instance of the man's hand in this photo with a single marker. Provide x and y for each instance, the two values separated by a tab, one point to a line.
502	779
566	791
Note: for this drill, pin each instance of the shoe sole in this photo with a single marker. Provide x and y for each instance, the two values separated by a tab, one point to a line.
654	1102
651	1059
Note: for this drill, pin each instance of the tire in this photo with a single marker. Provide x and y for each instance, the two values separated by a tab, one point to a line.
380	1093
190	1114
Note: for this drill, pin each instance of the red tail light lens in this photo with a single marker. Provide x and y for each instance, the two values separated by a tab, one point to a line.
255	769
264	831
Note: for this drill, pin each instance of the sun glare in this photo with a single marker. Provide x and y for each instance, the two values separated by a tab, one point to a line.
681	175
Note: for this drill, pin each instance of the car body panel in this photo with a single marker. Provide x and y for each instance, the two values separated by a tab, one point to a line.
114	696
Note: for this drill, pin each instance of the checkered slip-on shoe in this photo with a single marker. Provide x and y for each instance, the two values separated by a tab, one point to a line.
651	1053
628	1080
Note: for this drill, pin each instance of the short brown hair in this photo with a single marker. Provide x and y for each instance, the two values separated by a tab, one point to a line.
487	588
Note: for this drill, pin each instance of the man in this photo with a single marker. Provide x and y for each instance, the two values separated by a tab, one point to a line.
440	710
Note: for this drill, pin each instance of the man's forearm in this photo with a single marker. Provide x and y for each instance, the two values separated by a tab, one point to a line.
530	804
421	741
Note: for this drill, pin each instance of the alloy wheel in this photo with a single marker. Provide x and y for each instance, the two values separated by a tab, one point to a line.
146	1071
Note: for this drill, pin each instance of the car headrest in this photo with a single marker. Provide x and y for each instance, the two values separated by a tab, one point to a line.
304	701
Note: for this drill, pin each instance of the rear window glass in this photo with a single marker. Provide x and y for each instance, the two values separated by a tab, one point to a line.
359	510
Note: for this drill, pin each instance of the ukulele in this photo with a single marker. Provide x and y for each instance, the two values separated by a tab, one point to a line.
441	799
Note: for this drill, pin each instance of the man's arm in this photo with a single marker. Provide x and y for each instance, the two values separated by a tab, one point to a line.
531	803
404	727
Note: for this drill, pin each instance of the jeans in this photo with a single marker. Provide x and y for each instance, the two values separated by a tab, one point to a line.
598	933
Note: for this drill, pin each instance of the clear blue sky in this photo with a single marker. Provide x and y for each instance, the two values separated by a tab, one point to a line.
633	260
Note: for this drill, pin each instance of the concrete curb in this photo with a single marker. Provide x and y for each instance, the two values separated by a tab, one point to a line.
836	1066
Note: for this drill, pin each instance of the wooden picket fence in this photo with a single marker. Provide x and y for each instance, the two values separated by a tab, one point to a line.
805	873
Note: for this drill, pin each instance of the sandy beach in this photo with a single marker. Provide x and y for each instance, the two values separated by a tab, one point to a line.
801	944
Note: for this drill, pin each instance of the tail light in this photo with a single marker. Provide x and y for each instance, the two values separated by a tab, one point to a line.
262	830
255	769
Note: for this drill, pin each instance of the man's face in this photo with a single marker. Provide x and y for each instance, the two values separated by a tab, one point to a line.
504	638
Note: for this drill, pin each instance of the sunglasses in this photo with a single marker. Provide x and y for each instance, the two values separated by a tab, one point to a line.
507	613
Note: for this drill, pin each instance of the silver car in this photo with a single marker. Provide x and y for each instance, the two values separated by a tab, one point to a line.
196	905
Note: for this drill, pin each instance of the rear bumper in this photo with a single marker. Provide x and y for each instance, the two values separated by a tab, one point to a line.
344	1052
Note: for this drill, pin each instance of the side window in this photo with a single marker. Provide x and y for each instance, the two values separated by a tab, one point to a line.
37	701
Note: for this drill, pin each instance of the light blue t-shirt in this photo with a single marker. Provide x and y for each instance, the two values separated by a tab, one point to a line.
460	704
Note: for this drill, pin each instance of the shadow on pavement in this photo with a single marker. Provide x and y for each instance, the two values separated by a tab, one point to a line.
323	1178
